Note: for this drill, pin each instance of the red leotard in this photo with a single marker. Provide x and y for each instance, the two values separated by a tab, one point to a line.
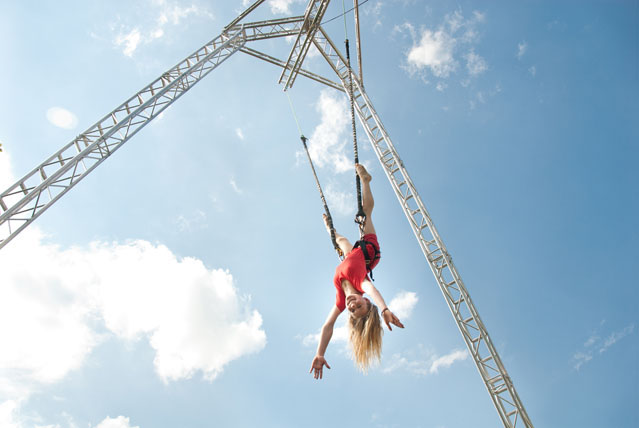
353	268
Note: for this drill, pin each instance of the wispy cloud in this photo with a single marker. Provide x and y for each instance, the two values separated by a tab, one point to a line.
615	337
187	223
438	52
426	365
159	17
475	64
533	71
128	41
374	13
595	345
239	133
340	335
447	360
62	118
521	49
235	187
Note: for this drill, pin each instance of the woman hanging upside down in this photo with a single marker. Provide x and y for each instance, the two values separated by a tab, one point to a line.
351	280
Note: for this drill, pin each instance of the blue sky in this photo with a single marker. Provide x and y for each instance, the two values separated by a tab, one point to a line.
184	281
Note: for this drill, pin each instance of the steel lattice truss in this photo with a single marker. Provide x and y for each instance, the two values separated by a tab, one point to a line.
23	202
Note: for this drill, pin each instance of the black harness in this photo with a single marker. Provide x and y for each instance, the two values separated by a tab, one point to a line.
367	256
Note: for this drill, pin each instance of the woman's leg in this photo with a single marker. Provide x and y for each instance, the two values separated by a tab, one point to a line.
367	197
343	243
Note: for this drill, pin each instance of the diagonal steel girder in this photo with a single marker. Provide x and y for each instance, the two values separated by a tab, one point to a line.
496	379
312	19
30	196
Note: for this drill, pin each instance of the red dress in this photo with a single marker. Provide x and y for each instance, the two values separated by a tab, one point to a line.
353	268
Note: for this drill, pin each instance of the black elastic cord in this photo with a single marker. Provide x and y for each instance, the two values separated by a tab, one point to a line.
360	217
329	219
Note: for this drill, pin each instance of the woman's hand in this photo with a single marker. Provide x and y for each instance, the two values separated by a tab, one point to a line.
318	365
390	318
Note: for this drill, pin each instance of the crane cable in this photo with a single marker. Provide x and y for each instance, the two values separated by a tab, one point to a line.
329	218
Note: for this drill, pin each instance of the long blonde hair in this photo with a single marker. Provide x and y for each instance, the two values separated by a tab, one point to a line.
366	338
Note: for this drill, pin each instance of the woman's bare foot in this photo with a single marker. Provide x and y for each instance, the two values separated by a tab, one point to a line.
363	174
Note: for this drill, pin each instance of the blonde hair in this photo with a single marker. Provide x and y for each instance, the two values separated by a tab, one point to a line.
366	338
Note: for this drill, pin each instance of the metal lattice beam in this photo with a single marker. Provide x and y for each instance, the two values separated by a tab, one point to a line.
500	387
312	18
282	64
30	196
270	29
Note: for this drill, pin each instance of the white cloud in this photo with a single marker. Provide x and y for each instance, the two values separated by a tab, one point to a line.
475	63
436	51
615	337
594	345
340	335
177	296
403	303
62	118
424	365
591	340
197	220
239	133
235	187
8	414
581	358
533	71
399	362
129	41
119	422
160	15
447	360
282	6
521	49
327	144
137	290
51	311
374	13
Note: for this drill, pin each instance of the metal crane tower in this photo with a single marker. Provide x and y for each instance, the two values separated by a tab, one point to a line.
30	196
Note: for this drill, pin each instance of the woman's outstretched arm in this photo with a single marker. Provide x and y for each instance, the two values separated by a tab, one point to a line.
317	366
389	317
